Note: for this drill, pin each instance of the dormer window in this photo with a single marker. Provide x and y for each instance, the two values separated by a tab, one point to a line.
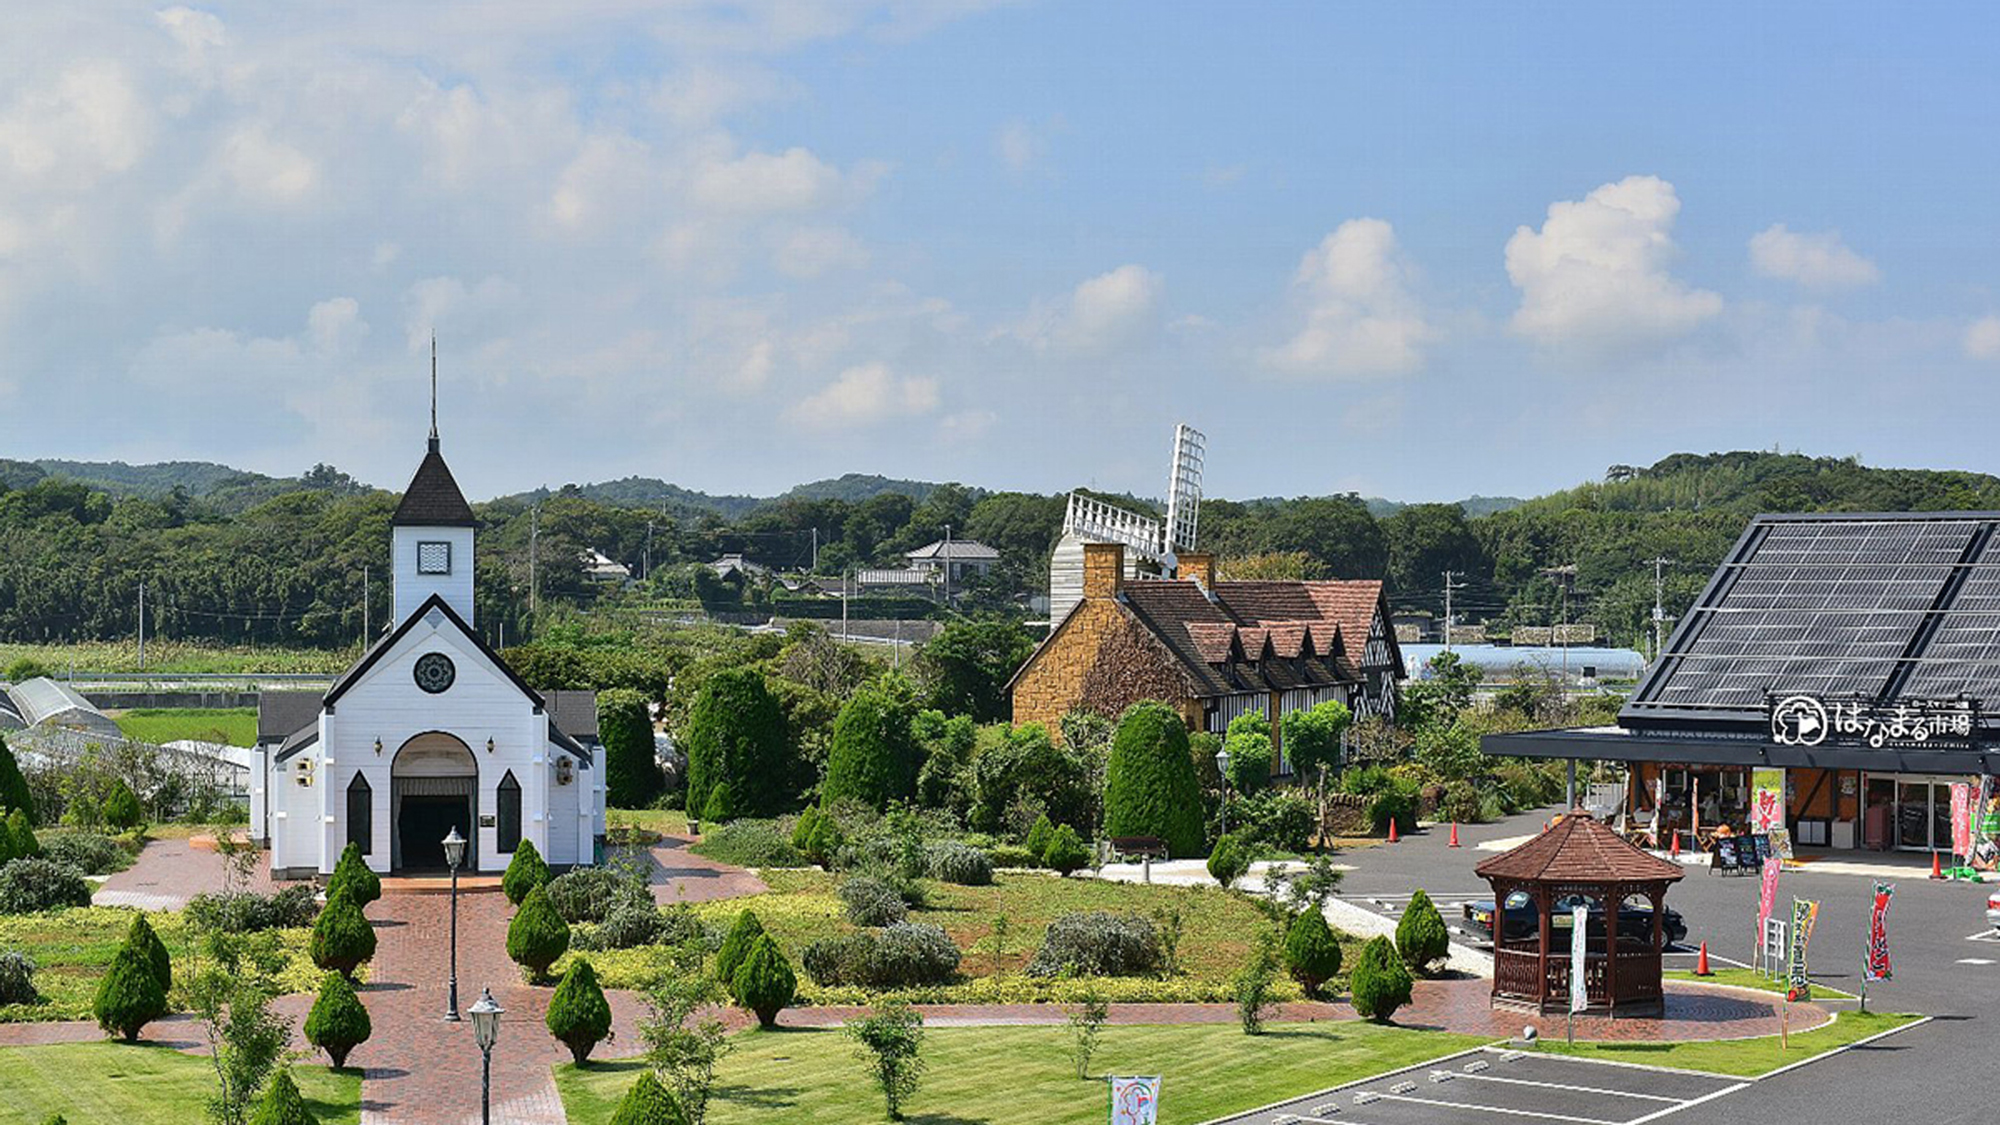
433	557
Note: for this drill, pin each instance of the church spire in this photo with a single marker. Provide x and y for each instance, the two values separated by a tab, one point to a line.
434	392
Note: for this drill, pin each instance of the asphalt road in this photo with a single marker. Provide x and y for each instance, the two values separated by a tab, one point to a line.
1942	1072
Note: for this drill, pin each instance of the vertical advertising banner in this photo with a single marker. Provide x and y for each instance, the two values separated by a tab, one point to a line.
1961	818
1767	898
1767	800
1135	1100
1799	983
1878	934
1579	989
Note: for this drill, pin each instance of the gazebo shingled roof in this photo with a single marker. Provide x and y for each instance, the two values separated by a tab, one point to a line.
1579	848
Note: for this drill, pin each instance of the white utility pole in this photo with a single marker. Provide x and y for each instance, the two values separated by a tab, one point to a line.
364	607
1449	586
142	626
815	562
1659	607
947	568
534	546
1565	575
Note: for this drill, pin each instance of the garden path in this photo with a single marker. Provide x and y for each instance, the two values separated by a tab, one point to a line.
167	873
678	875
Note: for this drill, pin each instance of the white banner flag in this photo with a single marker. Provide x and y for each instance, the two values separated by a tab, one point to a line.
1135	1100
1579	992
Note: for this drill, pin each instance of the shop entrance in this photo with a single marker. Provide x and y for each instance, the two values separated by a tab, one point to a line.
1914	809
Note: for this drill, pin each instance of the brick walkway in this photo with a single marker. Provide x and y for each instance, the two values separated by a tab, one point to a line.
167	874
679	875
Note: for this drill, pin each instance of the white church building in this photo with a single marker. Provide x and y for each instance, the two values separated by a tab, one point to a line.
428	731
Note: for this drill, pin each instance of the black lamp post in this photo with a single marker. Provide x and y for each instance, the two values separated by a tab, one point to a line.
1222	767
454	854
485	1030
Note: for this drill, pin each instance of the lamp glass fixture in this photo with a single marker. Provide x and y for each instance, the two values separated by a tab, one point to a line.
1222	762
454	848
489	745
485	1020
378	747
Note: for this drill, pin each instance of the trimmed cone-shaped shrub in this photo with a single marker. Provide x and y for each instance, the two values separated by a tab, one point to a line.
142	938
720	808
764	982
341	935
578	1015
648	1103
1038	836
525	872
1312	953
22	833
282	1104
338	1022
825	842
1066	851
1149	784
1421	937
129	997
14	793
736	946
802	832
631	768
537	936
121	807
874	757
1379	983
736	733
351	873
1228	862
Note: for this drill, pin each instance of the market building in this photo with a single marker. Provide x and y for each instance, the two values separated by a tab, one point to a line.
1836	681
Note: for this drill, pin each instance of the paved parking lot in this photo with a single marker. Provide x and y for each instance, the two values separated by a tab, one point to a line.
1492	1086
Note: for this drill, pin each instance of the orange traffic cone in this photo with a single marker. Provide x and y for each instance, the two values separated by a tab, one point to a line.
1674	846
1454	835
1701	968
1937	869
1393	838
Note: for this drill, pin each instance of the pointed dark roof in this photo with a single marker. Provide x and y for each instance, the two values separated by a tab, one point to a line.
433	498
1578	848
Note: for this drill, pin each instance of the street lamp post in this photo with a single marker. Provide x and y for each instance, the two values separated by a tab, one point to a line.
454	854
485	1030
1222	767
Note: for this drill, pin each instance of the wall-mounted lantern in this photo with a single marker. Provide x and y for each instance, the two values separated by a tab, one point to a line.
489	745
378	747
305	772
563	771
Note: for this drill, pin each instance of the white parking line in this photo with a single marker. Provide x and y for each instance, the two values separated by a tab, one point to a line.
1536	1114
1567	1086
1708	1097
1983	935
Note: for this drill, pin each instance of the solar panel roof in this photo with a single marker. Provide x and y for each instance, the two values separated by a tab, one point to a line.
1880	605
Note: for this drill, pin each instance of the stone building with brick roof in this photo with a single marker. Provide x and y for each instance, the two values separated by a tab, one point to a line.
1213	649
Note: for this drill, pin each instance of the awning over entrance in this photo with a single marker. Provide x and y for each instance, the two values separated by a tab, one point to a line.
1616	744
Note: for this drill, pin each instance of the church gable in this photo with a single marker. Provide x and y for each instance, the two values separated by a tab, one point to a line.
399	660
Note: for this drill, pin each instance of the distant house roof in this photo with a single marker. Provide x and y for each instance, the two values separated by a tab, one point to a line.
737	564
894	576
433	498
1578	848
281	714
962	550
597	564
1260	636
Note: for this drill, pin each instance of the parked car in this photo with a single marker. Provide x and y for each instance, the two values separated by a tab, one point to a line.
1634	920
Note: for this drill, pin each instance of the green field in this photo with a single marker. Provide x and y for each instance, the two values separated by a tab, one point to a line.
120	1084
235	726
168	657
802	907
1745	1058
1023	1075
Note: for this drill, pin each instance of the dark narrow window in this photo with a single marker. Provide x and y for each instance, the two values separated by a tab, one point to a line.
361	814
510	812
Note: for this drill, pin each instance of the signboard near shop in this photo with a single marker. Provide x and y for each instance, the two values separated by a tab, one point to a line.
1767	800
1815	720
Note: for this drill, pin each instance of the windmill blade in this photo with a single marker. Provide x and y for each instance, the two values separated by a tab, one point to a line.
1184	489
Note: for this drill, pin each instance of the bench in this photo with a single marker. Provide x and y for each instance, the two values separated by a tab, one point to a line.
1131	847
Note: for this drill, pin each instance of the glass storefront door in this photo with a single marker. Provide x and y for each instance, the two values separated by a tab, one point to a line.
1922	814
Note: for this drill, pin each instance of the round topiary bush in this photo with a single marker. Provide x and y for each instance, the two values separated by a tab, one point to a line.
1149	784
591	894
630	925
92	853
1066	851
17	979
525	873
961	864
537	936
142	938
21	835
1312	953
341	935
578	1015
282	1104
32	885
648	1103
351	873
1379	983
1098	943
1228	862
869	901
129	997
121	807
338	1022
764	982
743	934
1421	937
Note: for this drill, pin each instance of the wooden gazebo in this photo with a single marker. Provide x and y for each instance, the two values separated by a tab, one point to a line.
1578	860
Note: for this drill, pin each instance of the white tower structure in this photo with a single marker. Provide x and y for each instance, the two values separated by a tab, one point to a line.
1150	545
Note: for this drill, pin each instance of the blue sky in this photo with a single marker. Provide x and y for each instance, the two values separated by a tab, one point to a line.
1417	250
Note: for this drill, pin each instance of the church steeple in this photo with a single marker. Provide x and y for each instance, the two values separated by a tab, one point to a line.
432	531
434	392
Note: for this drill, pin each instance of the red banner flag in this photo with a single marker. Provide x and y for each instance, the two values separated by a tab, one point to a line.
1878	935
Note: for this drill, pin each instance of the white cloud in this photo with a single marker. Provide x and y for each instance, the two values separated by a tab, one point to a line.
335	325
1018	147
1103	314
1595	277
1982	338
608	177
809	252
1360	316
266	170
1817	261
469	311
768	183
863	395
90	123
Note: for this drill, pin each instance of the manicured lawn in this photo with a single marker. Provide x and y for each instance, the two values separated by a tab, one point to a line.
73	948
803	907
117	1084
1747	1058
1751	978
1023	1075
235	726
667	822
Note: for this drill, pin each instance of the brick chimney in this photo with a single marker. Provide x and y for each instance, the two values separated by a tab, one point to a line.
1200	567
1103	569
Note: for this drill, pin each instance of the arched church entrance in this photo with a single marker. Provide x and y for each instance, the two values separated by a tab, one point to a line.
434	788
